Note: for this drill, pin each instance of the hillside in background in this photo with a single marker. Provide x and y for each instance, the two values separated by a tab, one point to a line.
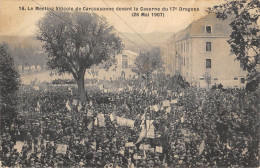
154	38
27	50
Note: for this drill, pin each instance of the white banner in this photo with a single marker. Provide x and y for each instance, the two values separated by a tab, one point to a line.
62	149
125	122
158	149
129	144
166	103
101	120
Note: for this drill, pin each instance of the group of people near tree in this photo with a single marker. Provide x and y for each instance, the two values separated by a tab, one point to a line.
191	127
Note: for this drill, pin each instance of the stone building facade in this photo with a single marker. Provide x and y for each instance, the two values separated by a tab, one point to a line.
201	54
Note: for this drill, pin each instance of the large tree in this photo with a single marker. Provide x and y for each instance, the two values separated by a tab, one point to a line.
245	37
147	62
9	85
76	41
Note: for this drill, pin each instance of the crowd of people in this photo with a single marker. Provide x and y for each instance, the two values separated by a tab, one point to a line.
192	127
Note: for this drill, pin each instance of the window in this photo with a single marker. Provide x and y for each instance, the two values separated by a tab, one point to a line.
208	46
208	29
235	78
124	61
124	64
242	80
208	63
215	79
201	78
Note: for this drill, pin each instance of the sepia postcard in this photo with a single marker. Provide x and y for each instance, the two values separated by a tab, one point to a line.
129	83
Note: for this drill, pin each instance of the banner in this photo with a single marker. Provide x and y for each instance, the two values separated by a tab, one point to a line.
174	101
150	129
122	152
166	103
96	121
130	123
89	113
159	149
145	146
79	107
125	122
168	110
129	144
75	102
112	116
201	147
68	106
19	146
182	119
90	126
94	145
143	132
154	107
137	157
61	148
101	120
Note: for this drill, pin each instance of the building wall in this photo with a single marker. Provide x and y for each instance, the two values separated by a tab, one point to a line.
223	69
121	69
188	54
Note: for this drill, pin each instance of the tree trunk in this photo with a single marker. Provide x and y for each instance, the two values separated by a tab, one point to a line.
81	87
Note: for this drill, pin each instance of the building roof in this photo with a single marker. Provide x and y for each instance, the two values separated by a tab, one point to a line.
131	52
219	28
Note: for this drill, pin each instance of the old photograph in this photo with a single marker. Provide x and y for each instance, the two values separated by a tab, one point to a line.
129	83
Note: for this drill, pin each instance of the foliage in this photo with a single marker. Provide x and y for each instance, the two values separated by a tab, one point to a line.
93	72
28	57
63	81
244	39
178	81
147	62
76	41
9	84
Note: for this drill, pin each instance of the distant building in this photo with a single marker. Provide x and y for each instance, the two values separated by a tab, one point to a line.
27	52
125	63
200	49
123	68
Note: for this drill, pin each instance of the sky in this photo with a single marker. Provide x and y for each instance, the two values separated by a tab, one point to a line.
15	22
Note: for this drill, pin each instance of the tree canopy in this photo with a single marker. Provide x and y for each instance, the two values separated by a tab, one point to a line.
244	38
9	85
76	41
147	62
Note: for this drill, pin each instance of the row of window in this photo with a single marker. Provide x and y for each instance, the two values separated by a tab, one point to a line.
242	80
184	47
208	64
